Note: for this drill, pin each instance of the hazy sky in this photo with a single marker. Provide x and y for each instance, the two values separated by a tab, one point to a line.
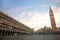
33	13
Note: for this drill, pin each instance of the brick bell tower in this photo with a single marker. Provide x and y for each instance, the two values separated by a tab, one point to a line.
52	19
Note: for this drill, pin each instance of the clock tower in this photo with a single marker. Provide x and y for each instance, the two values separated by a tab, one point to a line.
52	19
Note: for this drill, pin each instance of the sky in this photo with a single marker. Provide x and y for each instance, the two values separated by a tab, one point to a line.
33	13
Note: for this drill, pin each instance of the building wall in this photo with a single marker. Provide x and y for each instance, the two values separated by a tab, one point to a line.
10	23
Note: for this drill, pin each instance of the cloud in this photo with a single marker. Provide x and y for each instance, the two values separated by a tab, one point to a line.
36	20
56	0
